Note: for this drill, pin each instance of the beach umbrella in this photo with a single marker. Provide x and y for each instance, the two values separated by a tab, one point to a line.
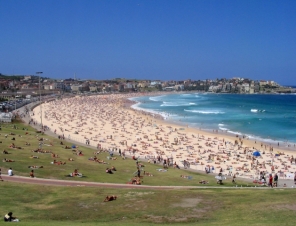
256	153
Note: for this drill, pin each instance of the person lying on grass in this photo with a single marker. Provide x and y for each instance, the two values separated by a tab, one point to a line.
41	151
58	162
7	160
110	198
35	167
148	174
34	157
8	217
186	177
203	182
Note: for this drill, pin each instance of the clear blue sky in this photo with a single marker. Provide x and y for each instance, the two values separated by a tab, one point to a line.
153	39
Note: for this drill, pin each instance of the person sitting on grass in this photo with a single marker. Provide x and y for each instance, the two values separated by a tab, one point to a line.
70	159
28	144
110	198
32	174
109	171
113	168
54	155
75	173
8	217
176	165
136	180
5	152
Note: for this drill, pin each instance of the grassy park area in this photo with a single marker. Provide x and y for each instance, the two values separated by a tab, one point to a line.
80	205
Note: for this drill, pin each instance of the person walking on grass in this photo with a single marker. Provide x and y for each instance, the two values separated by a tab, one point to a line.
233	179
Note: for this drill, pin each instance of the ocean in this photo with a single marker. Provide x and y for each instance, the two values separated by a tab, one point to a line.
270	118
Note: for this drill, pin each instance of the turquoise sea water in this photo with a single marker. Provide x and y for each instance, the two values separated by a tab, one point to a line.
271	118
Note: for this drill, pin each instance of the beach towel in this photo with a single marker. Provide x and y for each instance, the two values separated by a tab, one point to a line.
161	170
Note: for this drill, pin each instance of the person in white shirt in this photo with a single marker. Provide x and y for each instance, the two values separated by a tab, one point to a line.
10	172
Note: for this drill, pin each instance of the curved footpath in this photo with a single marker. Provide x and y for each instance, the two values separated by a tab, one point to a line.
54	182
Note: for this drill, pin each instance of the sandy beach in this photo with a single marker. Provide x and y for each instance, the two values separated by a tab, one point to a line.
106	122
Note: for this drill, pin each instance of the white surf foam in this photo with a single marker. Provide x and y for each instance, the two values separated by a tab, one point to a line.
156	98
205	112
172	104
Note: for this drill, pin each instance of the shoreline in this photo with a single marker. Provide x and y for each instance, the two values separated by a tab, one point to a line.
284	145
109	121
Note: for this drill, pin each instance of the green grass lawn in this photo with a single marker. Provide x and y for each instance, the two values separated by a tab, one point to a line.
50	205
79	205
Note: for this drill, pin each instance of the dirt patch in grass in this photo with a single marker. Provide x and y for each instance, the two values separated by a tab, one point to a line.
187	202
40	206
287	207
186	210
